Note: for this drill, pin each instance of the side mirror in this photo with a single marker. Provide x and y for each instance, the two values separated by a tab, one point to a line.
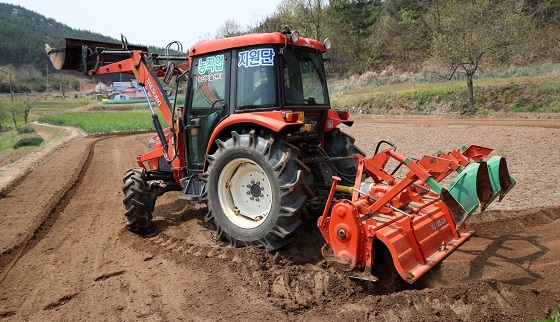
169	72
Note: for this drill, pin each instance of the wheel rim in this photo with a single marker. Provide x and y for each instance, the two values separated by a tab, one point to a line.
245	193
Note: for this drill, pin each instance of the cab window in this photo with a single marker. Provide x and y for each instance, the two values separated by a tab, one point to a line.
209	82
303	78
256	78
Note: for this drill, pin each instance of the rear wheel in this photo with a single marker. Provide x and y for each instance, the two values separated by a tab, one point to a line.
255	190
340	144
136	201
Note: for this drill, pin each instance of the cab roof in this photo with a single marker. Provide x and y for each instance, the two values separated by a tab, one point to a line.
274	38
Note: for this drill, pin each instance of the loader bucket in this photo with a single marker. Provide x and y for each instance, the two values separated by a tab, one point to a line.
501	181
77	54
471	188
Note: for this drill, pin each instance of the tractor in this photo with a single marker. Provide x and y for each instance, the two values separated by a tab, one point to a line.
256	140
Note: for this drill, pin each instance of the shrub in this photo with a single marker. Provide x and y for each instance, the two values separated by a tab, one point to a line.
25	129
34	141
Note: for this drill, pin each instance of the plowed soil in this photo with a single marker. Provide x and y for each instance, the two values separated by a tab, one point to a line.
66	256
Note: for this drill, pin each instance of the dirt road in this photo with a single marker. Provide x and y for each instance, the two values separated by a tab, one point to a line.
65	256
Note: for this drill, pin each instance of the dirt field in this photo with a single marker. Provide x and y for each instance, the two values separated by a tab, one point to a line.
65	256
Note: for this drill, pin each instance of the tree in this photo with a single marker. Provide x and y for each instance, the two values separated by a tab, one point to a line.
14	110
229	29
27	106
311	17
399	39
469	33
350	30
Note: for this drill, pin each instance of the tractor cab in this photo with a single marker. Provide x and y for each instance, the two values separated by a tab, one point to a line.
250	75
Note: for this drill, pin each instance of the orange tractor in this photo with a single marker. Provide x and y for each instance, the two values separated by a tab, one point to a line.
257	140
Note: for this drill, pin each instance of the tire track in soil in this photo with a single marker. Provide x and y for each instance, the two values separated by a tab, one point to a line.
295	283
10	256
54	209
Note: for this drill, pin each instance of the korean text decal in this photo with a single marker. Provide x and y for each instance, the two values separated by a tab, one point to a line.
256	57
211	64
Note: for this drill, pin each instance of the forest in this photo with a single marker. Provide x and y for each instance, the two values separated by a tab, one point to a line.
444	37
23	35
410	35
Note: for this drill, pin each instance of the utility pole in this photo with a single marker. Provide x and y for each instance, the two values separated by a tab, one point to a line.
47	78
10	77
11	92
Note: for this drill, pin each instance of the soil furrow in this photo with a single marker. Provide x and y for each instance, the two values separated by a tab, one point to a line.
81	263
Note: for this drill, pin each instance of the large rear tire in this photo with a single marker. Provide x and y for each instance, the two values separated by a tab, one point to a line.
136	201
255	190
340	144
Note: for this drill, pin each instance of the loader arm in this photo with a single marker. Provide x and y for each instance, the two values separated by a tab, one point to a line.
102	58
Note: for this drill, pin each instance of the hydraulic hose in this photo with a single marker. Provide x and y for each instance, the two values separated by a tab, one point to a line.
157	126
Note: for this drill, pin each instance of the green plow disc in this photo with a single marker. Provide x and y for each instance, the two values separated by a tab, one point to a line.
477	185
502	182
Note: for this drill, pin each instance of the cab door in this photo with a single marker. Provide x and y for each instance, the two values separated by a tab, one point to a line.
207	101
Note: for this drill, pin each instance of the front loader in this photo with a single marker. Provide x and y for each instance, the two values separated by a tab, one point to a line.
257	140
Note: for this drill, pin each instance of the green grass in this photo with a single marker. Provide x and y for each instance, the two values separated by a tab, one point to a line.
522	94
25	129
34	141
105	121
42	108
555	317
60	104
7	140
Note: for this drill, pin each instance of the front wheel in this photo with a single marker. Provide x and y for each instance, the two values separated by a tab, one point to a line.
136	201
255	190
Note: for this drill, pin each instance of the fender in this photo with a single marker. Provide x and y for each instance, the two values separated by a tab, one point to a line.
334	118
274	121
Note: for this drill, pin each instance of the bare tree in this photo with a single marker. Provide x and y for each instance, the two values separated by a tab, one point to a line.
468	33
312	16
229	29
27	106
14	110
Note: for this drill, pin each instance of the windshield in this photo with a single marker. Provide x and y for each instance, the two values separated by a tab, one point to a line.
304	80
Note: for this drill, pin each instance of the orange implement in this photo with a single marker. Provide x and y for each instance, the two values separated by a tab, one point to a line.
419	221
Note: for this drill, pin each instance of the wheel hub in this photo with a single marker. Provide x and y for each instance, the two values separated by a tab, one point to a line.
256	189
245	193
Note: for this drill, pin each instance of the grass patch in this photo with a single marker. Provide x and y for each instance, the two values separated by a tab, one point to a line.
104	121
42	108
34	141
7	140
60	104
540	94
25	129
555	317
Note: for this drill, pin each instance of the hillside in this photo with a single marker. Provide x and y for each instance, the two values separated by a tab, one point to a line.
24	33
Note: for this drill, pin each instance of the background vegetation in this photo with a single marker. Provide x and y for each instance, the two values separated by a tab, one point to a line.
413	35
104	122
23	35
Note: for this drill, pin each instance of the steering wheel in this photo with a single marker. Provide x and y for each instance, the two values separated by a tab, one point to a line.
212	107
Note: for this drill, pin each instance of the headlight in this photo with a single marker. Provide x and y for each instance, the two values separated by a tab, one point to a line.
295	36
327	44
